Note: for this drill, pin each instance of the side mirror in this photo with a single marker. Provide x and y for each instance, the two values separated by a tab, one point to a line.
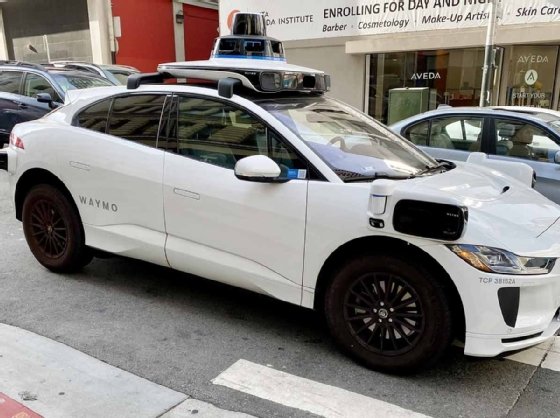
258	168
46	98
557	157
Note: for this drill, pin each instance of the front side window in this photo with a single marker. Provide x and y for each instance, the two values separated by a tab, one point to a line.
517	138
10	81
418	134
220	134
35	84
461	133
74	80
355	146
137	118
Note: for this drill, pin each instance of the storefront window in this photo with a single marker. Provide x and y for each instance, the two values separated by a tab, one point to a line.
532	71
406	83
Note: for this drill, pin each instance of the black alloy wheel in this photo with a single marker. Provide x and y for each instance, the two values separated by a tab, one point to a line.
53	229
390	314
384	313
49	230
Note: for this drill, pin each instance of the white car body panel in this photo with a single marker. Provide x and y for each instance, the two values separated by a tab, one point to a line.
263	225
116	217
275	238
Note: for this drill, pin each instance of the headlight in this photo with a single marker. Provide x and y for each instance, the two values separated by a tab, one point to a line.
495	260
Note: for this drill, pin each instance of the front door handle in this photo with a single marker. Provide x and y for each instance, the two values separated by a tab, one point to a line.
186	193
80	166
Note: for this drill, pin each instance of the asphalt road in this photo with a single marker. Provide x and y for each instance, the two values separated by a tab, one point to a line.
181	332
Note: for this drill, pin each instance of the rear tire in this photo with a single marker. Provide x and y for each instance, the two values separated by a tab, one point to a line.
388	314
53	230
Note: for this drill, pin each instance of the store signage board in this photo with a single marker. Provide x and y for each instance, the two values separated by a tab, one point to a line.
297	19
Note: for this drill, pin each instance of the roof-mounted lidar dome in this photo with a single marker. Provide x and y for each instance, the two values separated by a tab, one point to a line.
248	40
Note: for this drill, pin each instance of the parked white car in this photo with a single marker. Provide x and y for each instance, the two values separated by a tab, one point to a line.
297	196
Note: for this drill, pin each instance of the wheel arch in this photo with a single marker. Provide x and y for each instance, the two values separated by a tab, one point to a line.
410	252
33	177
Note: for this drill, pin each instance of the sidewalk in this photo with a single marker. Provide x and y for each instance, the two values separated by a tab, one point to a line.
53	380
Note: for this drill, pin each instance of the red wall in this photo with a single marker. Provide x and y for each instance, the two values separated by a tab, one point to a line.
147	33
201	28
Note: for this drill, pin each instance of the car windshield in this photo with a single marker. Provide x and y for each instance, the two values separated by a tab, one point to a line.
121	75
355	146
78	81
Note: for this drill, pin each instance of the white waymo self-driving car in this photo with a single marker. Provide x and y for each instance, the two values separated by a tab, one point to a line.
260	181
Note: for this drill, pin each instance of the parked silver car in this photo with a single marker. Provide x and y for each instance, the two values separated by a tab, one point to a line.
117	74
454	133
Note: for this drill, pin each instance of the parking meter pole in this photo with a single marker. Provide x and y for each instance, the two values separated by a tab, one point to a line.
488	55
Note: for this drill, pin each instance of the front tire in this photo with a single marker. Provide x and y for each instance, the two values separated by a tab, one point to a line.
388	314
53	230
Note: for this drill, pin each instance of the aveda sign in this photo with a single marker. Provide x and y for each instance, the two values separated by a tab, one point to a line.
425	76
532	59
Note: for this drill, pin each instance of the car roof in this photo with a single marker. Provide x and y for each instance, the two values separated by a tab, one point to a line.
93	65
45	69
544	113
118	67
93	94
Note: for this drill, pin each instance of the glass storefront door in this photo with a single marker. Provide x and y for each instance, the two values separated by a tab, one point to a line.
450	77
532	71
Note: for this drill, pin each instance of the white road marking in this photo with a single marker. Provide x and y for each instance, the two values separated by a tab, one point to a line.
545	355
69	383
193	407
533	356
552	360
307	395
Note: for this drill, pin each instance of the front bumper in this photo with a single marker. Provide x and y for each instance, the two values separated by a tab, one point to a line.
481	345
503	312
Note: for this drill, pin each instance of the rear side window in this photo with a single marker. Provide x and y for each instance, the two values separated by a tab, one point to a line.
461	133
517	138
10	81
137	118
95	117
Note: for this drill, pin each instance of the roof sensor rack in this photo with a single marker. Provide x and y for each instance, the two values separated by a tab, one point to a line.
247	58
135	80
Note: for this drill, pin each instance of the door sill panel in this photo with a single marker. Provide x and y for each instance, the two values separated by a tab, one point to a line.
231	269
128	241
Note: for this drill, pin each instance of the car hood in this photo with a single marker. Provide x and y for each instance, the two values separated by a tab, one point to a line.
502	211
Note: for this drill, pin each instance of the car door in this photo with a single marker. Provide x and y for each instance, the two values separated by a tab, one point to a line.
115	171
10	82
516	139
244	233
450	137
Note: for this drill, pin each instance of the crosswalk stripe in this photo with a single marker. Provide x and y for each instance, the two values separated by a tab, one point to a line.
545	355
552	359
307	395
532	356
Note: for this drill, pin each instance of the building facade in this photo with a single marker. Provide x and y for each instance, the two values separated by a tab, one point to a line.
382	54
141	33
